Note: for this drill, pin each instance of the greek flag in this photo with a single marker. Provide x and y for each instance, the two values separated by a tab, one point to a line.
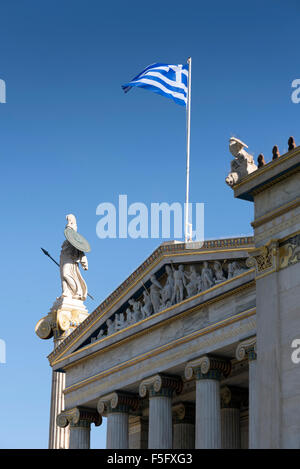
168	80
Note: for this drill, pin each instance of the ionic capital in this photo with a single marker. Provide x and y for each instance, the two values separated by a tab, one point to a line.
117	402
163	385
207	367
233	397
78	416
247	348
183	412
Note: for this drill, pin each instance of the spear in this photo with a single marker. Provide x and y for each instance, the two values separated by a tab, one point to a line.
55	262
145	287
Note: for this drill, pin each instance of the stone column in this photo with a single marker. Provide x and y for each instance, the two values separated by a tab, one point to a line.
116	406
79	419
231	400
183	425
247	349
64	316
58	436
160	389
138	432
208	372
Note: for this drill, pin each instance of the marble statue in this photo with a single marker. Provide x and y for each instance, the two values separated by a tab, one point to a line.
168	289
179	285
119	321
243	163
219	274
110	327
147	308
136	309
194	285
207	276
155	292
73	285
235	268
129	317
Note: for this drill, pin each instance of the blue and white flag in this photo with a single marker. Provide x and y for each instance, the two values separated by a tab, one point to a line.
169	80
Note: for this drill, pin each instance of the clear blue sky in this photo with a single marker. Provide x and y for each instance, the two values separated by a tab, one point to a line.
70	139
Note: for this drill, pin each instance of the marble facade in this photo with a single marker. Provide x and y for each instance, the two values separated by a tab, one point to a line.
193	350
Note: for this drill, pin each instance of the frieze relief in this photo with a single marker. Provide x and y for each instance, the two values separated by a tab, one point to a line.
176	284
290	251
274	255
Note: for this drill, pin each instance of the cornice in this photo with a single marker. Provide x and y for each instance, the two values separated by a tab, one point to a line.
276	213
268	167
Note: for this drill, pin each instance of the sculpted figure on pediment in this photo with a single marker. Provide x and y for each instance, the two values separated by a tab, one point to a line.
129	317
207	276
119	321
147	308
168	289
110	326
179	285
194	285
219	274
155	293
235	268
136	309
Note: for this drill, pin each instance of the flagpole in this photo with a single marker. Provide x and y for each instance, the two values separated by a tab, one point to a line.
188	138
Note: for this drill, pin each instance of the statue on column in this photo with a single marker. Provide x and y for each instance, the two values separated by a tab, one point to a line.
73	285
67	312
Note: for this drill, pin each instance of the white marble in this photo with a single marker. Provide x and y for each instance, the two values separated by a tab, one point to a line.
117	430
243	163
80	436
73	285
58	437
208	414
253	405
160	422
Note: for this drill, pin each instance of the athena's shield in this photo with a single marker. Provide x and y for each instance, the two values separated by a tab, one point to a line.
77	240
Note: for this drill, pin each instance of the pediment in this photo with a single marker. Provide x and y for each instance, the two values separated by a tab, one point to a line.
169	280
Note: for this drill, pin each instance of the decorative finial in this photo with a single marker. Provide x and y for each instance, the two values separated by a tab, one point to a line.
275	152
291	143
261	161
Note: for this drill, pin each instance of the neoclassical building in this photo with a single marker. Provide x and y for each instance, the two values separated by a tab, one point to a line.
193	350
